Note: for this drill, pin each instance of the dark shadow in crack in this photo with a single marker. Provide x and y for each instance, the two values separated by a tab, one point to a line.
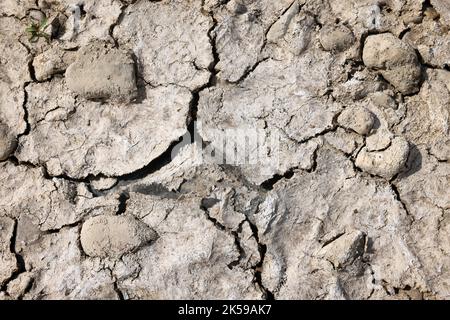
155	189
376	122
413	164
141	91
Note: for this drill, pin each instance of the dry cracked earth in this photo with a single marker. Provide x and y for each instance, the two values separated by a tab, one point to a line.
97	201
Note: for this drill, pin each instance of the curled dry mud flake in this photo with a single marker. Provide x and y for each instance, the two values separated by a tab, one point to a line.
78	137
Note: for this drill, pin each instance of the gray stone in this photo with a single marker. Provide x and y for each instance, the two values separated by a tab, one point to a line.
114	236
101	72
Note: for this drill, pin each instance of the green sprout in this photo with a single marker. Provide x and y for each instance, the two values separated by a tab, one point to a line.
36	31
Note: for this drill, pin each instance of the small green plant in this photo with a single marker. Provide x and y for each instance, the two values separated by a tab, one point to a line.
37	30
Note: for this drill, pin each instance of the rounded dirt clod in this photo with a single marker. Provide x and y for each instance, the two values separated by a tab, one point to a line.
395	60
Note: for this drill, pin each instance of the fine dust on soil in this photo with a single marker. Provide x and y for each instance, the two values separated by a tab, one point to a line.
104	194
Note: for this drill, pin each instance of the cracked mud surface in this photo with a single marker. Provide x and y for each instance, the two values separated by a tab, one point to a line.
99	201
